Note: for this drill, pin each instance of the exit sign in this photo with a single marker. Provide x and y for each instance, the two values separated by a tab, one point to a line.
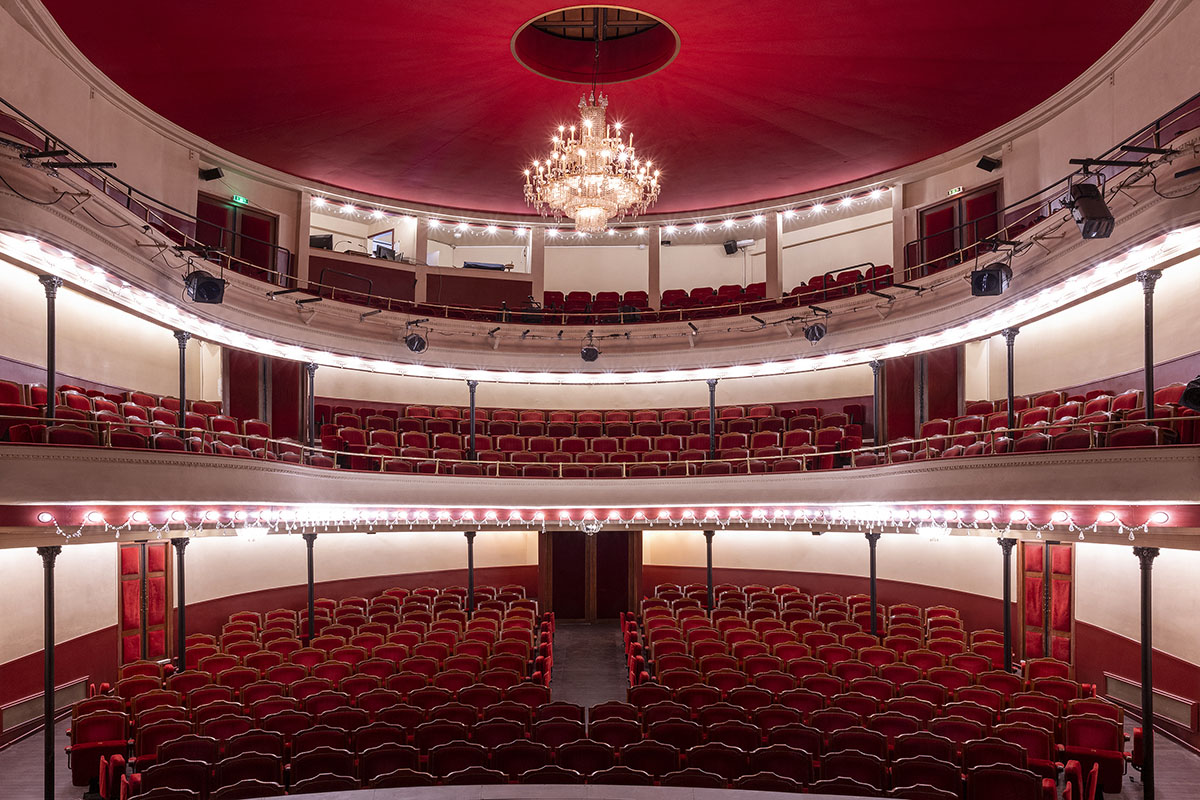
951	193
237	198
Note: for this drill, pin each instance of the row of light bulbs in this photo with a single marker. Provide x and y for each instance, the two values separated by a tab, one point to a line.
927	521
699	225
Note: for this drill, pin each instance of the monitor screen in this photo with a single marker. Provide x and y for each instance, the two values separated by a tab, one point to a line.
384	251
322	241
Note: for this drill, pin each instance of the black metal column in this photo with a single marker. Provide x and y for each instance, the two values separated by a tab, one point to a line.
876	402
470	573
182	337
180	544
50	283
471	452
311	369
1146	556
708	540
1046	599
1147	278
143	598
1010	336
872	543
712	417
309	540
1006	548
48	555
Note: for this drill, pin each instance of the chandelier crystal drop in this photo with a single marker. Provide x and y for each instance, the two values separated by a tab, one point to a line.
592	174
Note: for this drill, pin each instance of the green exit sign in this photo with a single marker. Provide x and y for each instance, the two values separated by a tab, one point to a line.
950	193
237	198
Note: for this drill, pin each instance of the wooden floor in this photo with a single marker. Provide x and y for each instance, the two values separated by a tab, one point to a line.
589	668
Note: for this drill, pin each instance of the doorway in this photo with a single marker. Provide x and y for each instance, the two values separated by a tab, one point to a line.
589	576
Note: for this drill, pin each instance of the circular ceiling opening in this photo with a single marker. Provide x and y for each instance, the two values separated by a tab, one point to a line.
564	44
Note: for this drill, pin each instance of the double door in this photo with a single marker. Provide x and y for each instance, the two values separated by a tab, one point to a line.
589	575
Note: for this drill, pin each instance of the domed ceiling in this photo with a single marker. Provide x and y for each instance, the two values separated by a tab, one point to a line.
443	103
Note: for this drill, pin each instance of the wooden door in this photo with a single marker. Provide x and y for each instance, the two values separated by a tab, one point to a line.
1047	610
144	600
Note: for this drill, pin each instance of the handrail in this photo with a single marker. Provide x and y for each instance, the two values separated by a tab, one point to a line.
1166	127
351	275
848	458
105	177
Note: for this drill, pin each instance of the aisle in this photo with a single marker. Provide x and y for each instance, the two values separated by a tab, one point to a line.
589	663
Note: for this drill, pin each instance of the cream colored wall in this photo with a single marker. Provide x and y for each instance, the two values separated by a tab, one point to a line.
85	599
48	91
223	566
839	243
1099	338
1108	595
343	227
372	387
100	343
685	266
597	269
456	255
961	563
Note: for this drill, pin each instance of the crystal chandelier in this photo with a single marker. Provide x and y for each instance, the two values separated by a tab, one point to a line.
592	174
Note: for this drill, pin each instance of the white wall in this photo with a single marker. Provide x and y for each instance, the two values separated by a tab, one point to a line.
1098	338
684	266
86	598
839	243
372	387
615	268
343	227
99	342
455	255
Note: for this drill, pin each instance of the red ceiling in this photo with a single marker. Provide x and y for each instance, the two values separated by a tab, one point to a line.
423	101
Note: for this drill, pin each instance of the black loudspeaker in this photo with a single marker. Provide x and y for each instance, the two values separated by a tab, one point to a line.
991	280
212	174
730	247
1191	395
1091	213
203	287
989	164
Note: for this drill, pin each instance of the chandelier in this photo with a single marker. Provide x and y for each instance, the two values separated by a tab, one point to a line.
592	174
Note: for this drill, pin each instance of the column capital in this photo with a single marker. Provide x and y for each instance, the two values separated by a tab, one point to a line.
470	536
1010	334
182	337
709	535
472	385
311	367
876	365
48	555
1146	556
1147	278
1006	544
872	538
712	383
180	543
309	539
50	283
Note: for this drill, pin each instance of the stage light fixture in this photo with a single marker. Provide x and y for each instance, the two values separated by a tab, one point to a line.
992	280
1091	213
204	287
1191	395
815	332
589	352
416	342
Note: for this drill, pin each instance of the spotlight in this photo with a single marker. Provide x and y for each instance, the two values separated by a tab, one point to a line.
415	342
589	352
992	280
212	174
1091	213
1191	395
203	287
815	332
989	164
